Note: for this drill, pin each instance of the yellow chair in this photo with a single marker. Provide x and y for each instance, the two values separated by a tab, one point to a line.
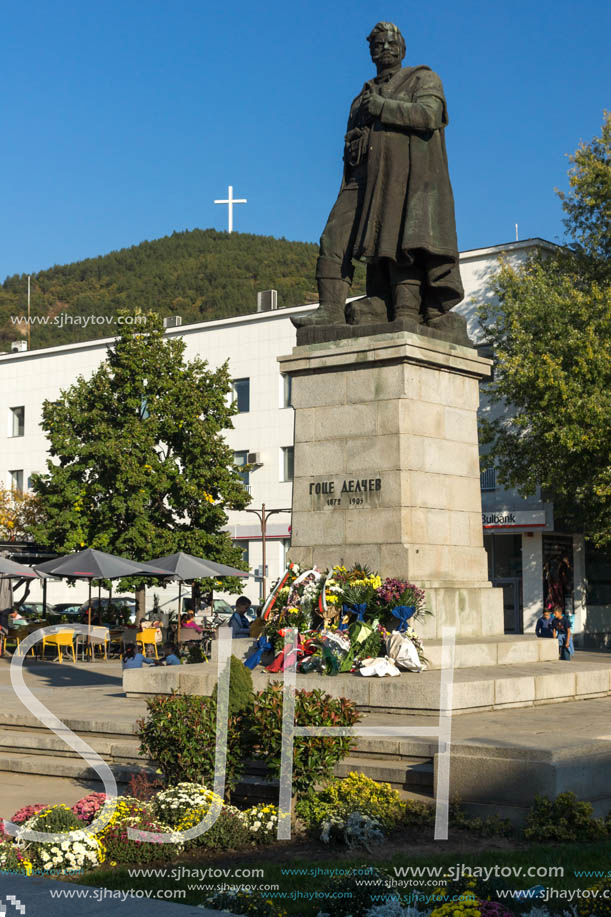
148	637
100	636
20	633
64	639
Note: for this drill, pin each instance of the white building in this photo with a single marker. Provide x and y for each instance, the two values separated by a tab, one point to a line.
519	534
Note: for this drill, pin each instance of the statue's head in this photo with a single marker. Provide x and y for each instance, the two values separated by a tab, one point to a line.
386	44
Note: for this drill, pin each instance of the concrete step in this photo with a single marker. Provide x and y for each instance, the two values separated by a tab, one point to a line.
76	768
43	742
503	649
100	726
402	774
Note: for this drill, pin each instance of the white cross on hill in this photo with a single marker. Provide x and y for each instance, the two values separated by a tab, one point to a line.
231	200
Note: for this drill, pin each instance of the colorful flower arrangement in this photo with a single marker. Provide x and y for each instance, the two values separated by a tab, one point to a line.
170	811
262	822
80	851
343	617
88	807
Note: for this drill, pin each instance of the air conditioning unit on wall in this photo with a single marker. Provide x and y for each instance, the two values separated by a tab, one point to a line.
253	458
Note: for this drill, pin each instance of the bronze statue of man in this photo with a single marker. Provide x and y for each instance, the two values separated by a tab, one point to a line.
395	209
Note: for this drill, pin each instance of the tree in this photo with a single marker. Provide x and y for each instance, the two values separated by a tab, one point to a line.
19	511
138	464
550	328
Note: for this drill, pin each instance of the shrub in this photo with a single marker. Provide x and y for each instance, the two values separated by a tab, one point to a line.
53	819
126	807
355	793
486	892
143	786
313	758
563	820
13	860
471	907
120	848
252	903
262	823
354	830
22	815
349	896
88	807
595	904
418	814
179	733
81	851
171	805
241	696
229	832
491	826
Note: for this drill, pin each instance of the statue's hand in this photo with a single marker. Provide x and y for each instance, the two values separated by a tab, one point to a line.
372	103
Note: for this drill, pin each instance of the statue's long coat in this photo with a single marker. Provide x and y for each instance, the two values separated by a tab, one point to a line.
408	207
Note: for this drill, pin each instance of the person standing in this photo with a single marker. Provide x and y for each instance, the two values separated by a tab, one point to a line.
562	630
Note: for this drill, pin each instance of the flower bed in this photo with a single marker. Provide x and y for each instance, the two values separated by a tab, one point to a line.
169	812
347	620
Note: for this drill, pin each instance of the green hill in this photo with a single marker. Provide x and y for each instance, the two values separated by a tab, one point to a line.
200	275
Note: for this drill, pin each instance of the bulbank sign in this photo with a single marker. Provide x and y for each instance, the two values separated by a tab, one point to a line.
507	519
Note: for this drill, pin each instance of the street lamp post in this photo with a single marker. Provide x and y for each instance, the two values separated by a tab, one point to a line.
263	515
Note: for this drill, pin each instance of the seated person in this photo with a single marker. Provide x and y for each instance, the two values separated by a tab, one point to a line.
133	658
170	655
147	624
188	620
239	621
545	624
562	630
16	619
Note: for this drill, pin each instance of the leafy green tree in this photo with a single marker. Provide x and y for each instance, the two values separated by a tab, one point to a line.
138	464
550	328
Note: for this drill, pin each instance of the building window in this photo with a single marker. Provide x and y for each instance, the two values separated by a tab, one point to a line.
288	454
487	479
287	392
244	548
16	479
241	459
241	394
17	421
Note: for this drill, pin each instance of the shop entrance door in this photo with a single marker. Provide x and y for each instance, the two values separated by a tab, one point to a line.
512	603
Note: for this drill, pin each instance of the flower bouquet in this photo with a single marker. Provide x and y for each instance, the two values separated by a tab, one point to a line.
343	616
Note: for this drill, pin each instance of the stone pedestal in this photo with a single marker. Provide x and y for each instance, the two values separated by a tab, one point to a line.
387	468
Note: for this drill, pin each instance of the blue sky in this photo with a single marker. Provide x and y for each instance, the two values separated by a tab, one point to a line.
122	121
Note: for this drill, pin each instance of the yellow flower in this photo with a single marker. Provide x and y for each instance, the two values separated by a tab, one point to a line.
208	497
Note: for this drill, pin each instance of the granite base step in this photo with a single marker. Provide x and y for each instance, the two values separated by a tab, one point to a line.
491	687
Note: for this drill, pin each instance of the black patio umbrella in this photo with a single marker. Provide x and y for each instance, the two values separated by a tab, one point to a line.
93	564
185	567
14	570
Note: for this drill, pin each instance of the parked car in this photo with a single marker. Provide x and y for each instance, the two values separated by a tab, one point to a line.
121	610
69	609
35	611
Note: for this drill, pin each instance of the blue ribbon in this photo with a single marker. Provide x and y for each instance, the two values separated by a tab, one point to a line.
403	613
263	645
358	610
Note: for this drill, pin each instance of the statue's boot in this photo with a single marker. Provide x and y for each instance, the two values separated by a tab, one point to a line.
331	311
407	301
